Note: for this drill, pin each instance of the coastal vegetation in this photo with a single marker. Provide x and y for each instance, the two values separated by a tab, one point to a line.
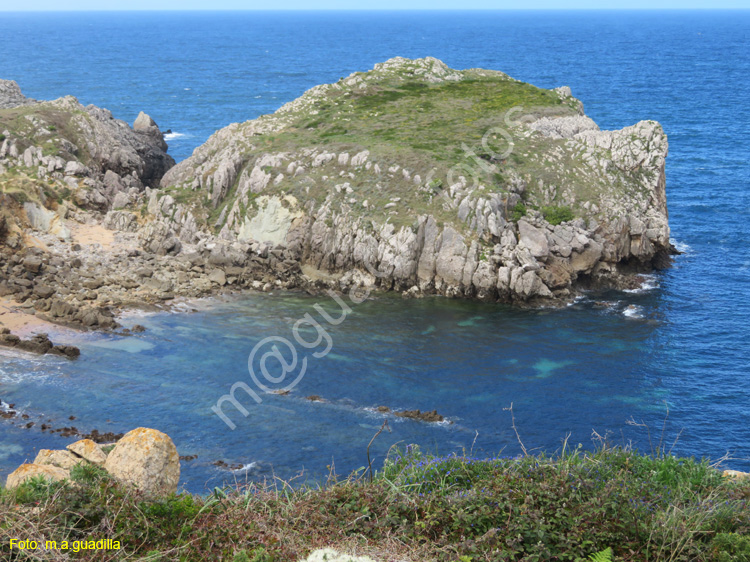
574	506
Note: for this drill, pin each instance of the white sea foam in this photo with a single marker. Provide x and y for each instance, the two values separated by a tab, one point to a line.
173	136
246	467
648	283
633	311
578	299
681	247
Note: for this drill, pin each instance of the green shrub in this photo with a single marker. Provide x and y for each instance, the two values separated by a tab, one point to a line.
87	473
556	215
34	490
518	212
731	547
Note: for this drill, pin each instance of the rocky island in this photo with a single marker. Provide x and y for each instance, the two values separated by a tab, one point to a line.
412	177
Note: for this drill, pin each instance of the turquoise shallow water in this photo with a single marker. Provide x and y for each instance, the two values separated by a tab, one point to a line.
586	367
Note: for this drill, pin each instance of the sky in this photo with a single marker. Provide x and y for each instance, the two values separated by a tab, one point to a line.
73	5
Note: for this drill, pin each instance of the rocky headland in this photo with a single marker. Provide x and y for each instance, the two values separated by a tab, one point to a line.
412	177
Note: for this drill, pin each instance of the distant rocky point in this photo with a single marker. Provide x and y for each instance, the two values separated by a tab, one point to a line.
412	177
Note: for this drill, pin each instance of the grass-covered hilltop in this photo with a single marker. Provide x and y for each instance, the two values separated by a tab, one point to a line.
608	505
411	177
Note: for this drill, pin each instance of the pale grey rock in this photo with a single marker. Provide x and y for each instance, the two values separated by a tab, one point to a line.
159	239
533	239
121	200
122	221
144	122
218	276
564	127
11	96
583	262
45	220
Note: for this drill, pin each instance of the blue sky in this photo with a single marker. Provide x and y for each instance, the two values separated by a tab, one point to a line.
57	5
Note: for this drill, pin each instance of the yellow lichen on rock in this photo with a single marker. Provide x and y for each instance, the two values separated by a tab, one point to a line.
26	471
87	449
147	459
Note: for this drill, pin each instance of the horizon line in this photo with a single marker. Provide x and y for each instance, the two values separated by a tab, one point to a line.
314	10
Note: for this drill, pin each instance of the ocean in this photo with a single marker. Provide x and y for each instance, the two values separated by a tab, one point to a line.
606	366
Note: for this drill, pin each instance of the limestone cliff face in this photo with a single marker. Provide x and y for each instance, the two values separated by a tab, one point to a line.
424	179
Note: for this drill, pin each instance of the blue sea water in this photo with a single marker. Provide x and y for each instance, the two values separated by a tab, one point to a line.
682	343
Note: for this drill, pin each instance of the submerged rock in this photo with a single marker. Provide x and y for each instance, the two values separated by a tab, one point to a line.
430	417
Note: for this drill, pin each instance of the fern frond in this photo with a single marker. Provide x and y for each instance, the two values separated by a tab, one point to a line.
603	556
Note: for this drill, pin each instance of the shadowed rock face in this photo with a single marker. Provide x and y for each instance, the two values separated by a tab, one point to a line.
425	179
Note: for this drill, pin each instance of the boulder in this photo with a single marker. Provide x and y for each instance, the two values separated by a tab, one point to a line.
32	264
60	459
43	291
218	276
157	238
27	471
146	459
88	450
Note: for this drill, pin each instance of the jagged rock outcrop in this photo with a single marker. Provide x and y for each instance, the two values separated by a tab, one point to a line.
359	182
64	167
11	96
59	154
